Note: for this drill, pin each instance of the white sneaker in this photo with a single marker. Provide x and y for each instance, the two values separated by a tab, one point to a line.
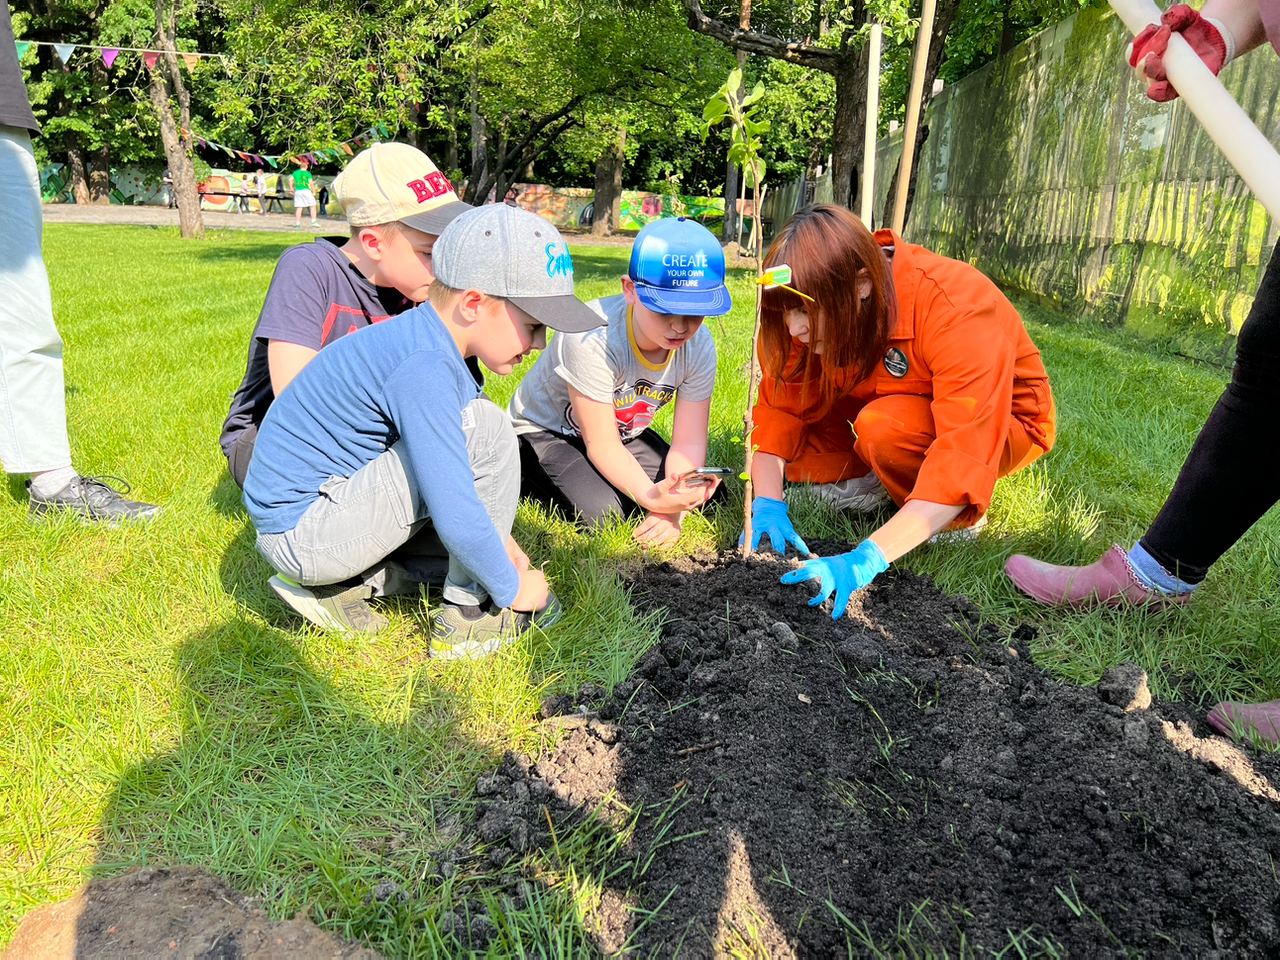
962	535
332	607
857	494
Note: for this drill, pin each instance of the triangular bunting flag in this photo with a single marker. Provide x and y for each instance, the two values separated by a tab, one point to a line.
150	58
65	50
23	47
109	55
349	151
271	161
191	60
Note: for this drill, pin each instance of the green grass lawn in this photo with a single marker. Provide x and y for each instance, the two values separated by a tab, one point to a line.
157	706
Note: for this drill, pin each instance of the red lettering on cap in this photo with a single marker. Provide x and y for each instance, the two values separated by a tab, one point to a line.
420	190
439	183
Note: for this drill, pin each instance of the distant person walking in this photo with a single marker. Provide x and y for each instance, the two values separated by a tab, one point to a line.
260	182
303	198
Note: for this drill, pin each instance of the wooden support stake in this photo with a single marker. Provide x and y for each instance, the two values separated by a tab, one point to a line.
914	97
872	124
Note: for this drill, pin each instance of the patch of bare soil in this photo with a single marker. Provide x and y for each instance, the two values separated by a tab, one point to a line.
905	779
180	912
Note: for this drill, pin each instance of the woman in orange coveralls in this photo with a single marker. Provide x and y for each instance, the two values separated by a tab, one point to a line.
890	373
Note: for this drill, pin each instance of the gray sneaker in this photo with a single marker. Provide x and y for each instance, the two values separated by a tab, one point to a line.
857	494
342	607
91	498
457	636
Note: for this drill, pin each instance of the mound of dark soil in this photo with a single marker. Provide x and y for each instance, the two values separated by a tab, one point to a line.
180	912
905	779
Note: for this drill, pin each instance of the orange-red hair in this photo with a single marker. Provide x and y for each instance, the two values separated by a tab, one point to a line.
828	248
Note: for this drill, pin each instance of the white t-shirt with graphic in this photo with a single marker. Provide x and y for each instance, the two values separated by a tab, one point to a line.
605	365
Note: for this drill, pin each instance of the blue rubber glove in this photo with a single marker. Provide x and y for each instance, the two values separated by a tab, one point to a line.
769	516
843	573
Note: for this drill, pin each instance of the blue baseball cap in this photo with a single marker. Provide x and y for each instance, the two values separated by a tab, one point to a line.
678	267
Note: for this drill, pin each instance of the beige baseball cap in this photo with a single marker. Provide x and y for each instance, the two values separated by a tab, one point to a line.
394	182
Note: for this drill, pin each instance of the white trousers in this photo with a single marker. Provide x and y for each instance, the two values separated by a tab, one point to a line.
33	414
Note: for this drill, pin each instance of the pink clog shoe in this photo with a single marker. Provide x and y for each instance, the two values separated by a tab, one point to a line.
1109	580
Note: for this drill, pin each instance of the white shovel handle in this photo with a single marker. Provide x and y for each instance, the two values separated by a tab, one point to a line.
1243	144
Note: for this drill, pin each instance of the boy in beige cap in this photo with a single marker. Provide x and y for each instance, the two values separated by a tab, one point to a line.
397	202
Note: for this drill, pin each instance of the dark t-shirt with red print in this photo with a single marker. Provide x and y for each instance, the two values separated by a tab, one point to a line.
316	296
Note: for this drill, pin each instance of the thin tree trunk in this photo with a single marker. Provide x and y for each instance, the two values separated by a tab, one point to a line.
451	150
100	159
167	87
100	175
608	196
478	179
731	227
75	167
730	232
847	128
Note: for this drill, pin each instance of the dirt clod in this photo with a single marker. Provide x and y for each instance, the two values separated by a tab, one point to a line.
1125	686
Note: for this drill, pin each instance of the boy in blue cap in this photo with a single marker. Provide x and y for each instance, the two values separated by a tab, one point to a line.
583	412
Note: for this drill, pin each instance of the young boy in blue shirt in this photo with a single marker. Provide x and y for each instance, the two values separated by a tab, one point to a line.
583	412
384	443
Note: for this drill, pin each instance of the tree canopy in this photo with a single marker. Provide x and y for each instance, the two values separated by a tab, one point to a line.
498	91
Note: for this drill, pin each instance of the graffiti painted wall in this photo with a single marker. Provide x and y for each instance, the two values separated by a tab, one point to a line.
128	185
572	206
1051	171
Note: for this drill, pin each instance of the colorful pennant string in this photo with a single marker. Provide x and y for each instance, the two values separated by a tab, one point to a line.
345	149
66	51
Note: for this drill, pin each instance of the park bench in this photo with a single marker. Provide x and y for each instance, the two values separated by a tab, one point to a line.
270	198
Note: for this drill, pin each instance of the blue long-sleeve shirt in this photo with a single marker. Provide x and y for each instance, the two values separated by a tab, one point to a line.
402	381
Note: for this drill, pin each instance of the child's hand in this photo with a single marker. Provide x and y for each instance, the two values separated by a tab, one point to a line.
533	591
517	555
671	495
658	529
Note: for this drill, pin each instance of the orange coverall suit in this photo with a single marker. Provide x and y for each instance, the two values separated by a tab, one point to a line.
960	400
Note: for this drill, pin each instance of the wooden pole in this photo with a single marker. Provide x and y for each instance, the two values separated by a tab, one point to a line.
872	124
1227	125
914	97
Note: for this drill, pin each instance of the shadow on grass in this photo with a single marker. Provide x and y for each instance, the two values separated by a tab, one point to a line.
225	497
307	790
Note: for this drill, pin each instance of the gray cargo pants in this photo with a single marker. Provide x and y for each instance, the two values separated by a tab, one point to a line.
358	522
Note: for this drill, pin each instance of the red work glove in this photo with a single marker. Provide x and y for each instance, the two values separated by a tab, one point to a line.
1209	38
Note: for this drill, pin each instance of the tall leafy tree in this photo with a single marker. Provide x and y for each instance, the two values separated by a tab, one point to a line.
612	69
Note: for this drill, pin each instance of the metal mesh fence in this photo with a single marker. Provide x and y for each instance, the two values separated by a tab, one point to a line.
1051	171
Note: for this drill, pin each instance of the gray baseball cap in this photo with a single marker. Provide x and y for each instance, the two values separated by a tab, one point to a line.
514	254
